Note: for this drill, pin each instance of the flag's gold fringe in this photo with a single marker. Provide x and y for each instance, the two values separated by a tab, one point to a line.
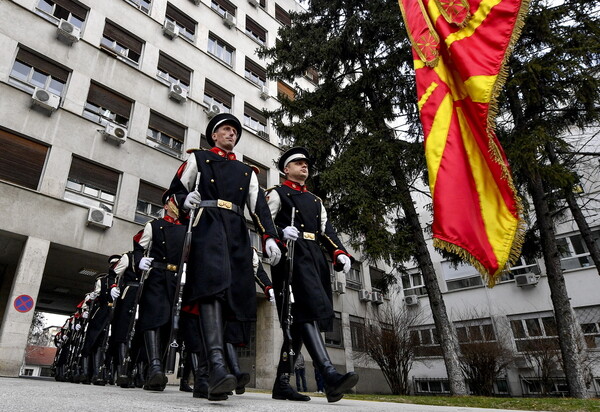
466	256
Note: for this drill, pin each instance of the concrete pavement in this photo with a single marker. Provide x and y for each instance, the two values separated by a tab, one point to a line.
46	395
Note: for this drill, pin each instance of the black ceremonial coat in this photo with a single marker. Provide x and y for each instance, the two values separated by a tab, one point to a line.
100	315
311	281
125	305
220	258
159	287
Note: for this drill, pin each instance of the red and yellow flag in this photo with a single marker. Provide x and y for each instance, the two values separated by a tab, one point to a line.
460	48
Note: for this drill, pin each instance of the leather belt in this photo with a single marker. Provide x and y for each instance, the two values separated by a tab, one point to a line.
222	204
165	266
308	236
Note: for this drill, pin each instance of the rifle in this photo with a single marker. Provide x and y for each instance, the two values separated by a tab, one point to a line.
287	301
78	342
133	311
181	275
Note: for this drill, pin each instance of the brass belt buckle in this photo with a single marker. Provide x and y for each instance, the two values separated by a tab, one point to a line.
308	236
171	267
224	204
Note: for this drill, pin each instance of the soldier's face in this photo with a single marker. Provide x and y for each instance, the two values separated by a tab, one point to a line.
297	170
225	137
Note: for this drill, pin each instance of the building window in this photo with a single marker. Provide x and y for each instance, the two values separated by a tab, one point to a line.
149	203
122	44
261	172
28	372
21	160
426	342
413	284
431	386
215	95
522	265
532	333
256	121
311	75
222	6
103	106
143	5
186	26
284	91
376	276
462	276
471	333
91	185
173	72
589	319
353	278
57	10
335	337
30	70
220	49
256	32
255	73
165	135
357	332
574	253
534	386
282	16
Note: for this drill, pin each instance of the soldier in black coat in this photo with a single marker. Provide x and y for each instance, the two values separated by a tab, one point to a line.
220	277
312	309
165	238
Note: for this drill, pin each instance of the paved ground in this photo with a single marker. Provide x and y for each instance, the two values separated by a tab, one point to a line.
46	395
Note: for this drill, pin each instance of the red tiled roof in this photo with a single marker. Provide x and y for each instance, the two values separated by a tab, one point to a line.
39	355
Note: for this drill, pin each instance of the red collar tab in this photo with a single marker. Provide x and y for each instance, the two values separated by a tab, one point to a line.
171	220
295	186
223	153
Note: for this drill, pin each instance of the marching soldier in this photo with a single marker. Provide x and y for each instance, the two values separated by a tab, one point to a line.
219	276
165	238
312	309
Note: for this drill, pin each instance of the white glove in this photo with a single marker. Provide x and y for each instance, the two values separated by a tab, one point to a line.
272	296
78	326
65	337
273	251
192	200
290	233
85	314
145	263
345	260
115	293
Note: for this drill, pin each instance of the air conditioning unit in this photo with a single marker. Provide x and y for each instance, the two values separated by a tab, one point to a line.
115	133
170	29
411	300
377	298
364	295
338	287
264	92
228	19
68	32
100	218
263	135
213	111
45	99
176	92
253	3
526	279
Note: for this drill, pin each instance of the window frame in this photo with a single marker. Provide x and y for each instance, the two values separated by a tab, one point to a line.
37	67
216	48
76	12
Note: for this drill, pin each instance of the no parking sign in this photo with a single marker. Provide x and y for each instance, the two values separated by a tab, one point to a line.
23	303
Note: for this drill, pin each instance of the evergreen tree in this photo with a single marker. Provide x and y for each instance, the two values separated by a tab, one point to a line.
361	125
552	86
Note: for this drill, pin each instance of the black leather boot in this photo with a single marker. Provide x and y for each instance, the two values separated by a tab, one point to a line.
336	384
234	367
200	365
156	379
122	372
138	379
84	376
284	391
211	325
98	367
187	368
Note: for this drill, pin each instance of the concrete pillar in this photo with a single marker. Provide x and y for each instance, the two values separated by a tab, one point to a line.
15	325
347	334
269	339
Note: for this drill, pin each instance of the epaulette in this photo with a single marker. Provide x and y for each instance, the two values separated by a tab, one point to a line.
255	168
196	149
271	188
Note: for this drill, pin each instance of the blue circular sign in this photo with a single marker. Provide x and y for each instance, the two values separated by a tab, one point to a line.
23	303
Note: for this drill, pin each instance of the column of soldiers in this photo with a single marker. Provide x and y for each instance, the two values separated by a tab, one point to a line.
188	282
